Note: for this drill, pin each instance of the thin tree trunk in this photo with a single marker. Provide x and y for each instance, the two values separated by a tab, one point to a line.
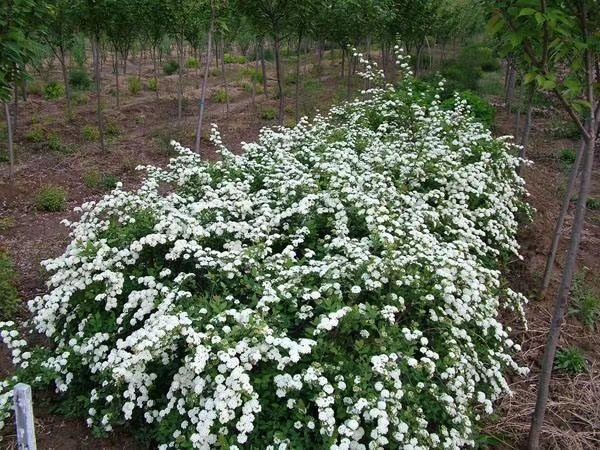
155	70
263	67
526	128
204	83
97	55
63	66
279	80
383	59
510	88
297	93
349	81
116	67
418	60
320	59
180	79
562	298
223	72
254	76
198	58
558	227
11	152
560	306
16	106
343	63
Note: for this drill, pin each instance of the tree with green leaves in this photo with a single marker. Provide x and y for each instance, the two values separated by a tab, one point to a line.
559	44
120	28
152	31
274	18
59	33
18	47
211	29
92	16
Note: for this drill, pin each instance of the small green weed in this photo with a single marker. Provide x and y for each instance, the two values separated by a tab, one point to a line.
36	134
9	297
566	130
234	59
170	67
135	85
53	91
268	114
51	199
80	98
567	157
192	63
153	84
593	204
94	179
571	360
91	133
220	96
586	303
79	79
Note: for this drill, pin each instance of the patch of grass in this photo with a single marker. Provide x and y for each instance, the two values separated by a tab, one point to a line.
252	74
491	84
94	179
593	204
586	304
36	134
312	86
9	297
112	129
290	79
91	133
247	88
153	84
56	145
566	130
220	96
192	63
51	199
79	79
570	360
79	98
134	84
54	91
268	114
234	59
35	88
6	223
567	157
170	67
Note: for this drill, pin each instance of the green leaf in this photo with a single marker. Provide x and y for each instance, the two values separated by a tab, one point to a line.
527	12
529	77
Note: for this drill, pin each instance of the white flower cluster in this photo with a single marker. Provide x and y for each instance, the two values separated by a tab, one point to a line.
334	287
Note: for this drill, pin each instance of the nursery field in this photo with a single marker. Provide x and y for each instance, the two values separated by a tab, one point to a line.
301	244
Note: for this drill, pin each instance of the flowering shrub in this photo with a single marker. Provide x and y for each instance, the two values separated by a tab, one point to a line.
337	286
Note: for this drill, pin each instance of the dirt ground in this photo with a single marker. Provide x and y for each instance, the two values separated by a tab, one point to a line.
146	124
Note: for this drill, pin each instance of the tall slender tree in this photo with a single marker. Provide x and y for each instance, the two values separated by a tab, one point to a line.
552	35
17	49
